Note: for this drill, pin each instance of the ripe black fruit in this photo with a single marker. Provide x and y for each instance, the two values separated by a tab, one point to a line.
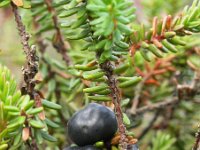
92	124
133	147
89	147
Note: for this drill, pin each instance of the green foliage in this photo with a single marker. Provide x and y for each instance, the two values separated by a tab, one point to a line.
97	32
166	35
43	17
104	24
190	19
104	34
20	3
18	112
4	3
159	8
162	141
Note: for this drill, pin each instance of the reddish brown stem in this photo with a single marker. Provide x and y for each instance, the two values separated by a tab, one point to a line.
58	41
107	67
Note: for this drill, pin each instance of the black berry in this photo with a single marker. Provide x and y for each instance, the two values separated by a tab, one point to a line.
92	124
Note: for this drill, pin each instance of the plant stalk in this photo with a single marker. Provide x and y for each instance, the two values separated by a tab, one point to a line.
107	67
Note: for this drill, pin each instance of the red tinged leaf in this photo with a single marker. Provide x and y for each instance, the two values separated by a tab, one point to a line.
132	50
86	82
155	23
115	140
158	72
165	65
158	63
171	68
38	77
169	21
25	134
133	141
157	43
18	2
146	93
152	81
42	115
164	26
148	68
92	63
139	71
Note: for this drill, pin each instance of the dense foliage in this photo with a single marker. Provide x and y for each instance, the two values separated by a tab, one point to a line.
141	59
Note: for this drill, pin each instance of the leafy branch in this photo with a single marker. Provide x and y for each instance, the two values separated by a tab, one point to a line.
165	35
58	41
185	92
115	94
32	62
33	127
102	35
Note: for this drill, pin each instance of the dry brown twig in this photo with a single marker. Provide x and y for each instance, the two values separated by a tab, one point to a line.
149	126
31	68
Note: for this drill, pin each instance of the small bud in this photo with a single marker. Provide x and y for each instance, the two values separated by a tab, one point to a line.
42	115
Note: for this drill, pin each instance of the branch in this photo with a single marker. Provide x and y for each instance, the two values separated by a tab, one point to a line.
58	41
107	67
185	92
31	68
160	67
138	91
151	123
156	106
165	33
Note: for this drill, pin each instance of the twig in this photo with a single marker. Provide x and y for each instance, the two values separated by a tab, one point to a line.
185	92
31	68
58	42
151	123
138	91
107	67
148	77
155	106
